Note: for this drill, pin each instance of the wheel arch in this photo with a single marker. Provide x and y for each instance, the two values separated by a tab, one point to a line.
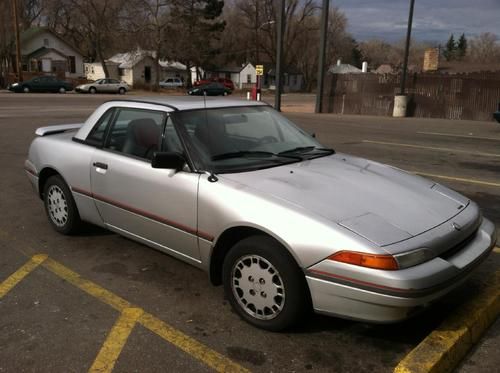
228	239
44	175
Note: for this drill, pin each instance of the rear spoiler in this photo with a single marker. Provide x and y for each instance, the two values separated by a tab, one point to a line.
51	130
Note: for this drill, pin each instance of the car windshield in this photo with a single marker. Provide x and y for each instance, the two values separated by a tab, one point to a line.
237	139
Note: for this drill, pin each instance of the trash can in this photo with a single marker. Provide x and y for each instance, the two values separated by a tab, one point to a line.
400	106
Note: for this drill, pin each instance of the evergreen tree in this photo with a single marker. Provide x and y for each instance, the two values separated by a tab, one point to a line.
462	47
451	47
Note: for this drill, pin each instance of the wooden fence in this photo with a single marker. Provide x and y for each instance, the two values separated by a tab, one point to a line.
473	96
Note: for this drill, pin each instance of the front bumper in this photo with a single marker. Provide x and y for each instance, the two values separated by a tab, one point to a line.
397	295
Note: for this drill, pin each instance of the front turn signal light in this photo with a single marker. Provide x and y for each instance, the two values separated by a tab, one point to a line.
386	262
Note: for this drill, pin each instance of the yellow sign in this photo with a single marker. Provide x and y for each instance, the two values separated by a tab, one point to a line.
259	70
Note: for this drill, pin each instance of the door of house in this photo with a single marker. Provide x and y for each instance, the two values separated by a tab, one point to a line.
46	65
147	74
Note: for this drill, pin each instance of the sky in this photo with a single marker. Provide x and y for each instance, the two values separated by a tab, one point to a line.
434	20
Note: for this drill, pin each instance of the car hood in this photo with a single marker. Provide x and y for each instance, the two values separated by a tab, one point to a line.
383	204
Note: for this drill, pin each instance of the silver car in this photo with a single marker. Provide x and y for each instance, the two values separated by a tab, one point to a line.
103	86
286	225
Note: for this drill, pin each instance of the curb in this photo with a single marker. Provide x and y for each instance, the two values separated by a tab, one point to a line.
445	347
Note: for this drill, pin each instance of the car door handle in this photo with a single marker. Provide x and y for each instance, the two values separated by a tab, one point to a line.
104	166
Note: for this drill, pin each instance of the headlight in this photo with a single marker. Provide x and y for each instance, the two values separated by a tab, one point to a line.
15	84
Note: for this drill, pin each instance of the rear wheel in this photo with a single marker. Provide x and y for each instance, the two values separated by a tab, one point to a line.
62	90
122	91
264	284
60	206
92	90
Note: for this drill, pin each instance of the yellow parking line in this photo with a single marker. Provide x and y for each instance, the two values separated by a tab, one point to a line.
464	180
115	341
87	286
432	148
449	343
21	273
210	357
196	349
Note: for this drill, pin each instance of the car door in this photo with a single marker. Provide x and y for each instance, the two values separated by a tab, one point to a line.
155	206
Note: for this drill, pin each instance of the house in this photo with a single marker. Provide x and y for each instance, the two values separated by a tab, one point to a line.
293	81
243	76
344	68
44	51
136	68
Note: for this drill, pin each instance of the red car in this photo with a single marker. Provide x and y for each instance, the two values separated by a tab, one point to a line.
228	83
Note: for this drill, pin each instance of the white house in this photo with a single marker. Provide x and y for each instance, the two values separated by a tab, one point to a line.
136	68
44	51
243	76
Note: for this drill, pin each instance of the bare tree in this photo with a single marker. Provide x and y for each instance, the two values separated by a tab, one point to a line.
484	48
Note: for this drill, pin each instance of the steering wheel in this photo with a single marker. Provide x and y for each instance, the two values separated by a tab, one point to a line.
267	140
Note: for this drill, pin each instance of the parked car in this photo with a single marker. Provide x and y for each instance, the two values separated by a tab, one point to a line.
210	89
228	83
103	86
171	83
282	222
41	84
496	114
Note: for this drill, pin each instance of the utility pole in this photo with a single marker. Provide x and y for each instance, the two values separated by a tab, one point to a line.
279	55
407	48
18	41
322	55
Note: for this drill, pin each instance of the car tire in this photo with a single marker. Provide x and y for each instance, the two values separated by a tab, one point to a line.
60	206
225	93
26	89
264	284
122	91
62	90
92	90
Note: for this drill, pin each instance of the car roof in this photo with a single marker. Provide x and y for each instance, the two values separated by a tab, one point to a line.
180	103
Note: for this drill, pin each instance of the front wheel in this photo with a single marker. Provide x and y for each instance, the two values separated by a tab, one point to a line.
60	206
62	90
264	284
26	89
92	90
122	91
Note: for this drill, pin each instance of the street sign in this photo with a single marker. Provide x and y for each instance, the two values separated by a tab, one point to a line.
259	70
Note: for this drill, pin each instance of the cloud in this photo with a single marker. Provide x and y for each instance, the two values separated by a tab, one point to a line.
433	20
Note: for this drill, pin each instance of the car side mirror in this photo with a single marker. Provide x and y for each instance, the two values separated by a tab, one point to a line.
168	160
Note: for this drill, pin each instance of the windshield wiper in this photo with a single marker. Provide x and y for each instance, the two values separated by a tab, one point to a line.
306	149
252	153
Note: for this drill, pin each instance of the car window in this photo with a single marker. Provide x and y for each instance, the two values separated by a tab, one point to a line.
96	136
113	81
262	125
169	80
136	132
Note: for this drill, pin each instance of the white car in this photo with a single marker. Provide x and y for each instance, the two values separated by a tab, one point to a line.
171	83
103	86
286	225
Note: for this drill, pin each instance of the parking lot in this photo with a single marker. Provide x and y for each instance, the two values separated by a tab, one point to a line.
98	301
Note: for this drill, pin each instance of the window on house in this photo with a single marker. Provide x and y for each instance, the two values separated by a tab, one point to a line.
227	75
45	42
249	78
72	64
121	72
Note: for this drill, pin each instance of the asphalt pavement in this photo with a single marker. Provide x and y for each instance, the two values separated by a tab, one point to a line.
65	307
